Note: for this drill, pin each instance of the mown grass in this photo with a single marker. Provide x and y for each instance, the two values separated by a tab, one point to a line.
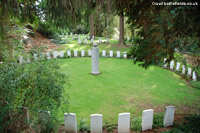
124	87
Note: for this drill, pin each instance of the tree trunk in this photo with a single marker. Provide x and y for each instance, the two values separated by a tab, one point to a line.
91	26
121	30
108	18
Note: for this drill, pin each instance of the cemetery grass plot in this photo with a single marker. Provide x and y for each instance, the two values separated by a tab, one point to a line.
124	87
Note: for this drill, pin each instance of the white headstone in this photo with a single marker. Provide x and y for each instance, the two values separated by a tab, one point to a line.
62	54
88	37
21	59
194	77
125	55
71	33
110	53
183	69
189	72
118	54
85	41
169	116
177	66
95	60
93	37
147	119
96	123
104	53
107	40
72	37
69	53
79	41
100	40
82	53
124	123
83	37
70	123
35	56
172	65
165	63
75	53
89	53
55	54
48	54
92	41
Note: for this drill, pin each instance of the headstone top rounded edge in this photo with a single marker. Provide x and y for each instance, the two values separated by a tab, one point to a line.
95	45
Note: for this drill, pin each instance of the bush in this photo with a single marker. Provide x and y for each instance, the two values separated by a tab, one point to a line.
191	125
34	87
83	126
158	120
195	84
136	124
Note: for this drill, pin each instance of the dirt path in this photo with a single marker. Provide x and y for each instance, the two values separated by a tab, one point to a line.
37	40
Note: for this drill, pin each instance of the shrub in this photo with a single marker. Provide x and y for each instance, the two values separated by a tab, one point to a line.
136	124
83	126
195	84
34	87
191	125
158	120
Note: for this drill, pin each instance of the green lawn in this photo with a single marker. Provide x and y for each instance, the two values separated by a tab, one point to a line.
73	44
124	87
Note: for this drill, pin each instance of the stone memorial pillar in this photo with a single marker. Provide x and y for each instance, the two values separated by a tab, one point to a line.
95	60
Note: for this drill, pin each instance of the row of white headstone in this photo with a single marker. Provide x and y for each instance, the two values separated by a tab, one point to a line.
61	54
177	68
85	40
128	38
92	41
123	121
